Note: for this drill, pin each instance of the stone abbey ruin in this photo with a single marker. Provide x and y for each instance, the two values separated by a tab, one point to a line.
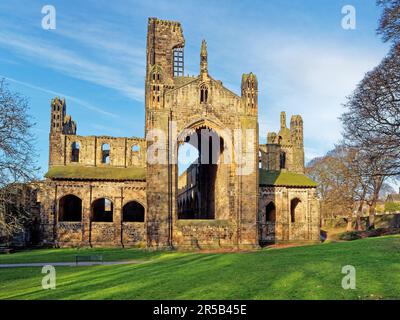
108	191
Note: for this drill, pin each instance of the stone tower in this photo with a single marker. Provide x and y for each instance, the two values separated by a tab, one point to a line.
250	93
60	125
192	104
296	133
163	37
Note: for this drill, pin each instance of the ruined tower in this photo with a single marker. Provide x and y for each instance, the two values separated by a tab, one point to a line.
60	125
296	134
163	39
250	93
193	104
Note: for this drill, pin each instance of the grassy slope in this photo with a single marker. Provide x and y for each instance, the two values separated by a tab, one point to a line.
312	272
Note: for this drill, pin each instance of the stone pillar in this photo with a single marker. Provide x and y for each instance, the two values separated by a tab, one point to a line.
247	180
118	220
86	206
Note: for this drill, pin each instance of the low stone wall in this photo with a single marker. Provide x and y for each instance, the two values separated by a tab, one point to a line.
134	234
299	231
381	221
69	233
102	233
204	234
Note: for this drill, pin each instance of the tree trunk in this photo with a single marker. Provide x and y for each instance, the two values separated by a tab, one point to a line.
349	221
371	217
359	214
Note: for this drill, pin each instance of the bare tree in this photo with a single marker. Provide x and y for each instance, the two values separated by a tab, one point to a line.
339	187
372	126
389	23
348	179
372	119
17	159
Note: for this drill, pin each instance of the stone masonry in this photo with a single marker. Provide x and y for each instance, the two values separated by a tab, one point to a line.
107	191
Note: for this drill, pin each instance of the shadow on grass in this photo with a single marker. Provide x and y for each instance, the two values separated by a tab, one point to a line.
312	272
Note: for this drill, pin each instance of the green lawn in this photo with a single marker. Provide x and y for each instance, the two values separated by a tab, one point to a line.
311	272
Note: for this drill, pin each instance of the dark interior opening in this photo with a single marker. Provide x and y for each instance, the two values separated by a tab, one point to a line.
270	212
293	208
70	209
197	182
102	210
133	212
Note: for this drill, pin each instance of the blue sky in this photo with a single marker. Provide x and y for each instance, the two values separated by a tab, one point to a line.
306	63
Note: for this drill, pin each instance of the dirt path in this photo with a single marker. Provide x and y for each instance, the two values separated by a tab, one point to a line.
69	264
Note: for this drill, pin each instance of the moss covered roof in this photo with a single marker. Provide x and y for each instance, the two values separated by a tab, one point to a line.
283	178
96	173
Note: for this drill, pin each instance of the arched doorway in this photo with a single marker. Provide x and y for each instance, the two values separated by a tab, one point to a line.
270	213
267	225
295	210
200	175
70	209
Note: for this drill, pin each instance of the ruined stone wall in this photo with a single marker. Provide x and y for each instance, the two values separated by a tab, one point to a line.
290	141
189	103
224	112
87	232
124	152
195	103
307	217
203	234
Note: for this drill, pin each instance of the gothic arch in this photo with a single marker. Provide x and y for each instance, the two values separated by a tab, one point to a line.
156	73
295	209
270	212
133	211
70	208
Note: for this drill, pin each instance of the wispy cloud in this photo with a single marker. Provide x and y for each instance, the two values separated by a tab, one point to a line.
301	76
68	97
69	63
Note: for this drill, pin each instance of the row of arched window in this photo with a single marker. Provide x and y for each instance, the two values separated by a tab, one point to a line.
105	152
270	211
102	210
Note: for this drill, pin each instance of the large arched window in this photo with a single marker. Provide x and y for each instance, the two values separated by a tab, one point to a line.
270	212
133	212
295	205
102	210
75	152
70	209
